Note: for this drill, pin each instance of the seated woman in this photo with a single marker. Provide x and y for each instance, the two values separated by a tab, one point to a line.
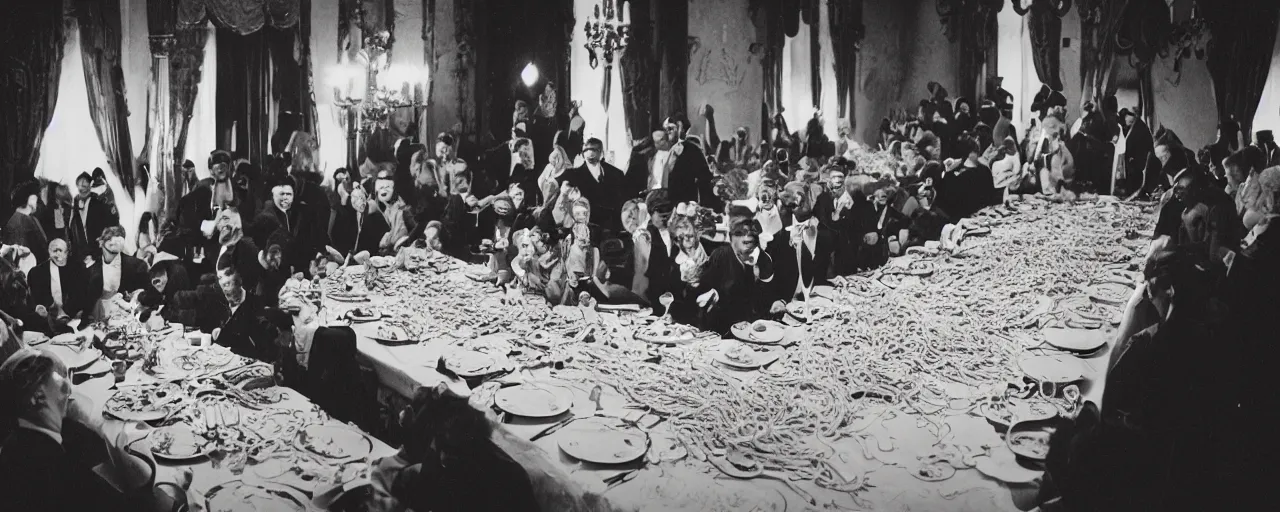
449	463
359	231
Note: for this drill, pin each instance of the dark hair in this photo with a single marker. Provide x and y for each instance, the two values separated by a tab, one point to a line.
593	142
111	232
445	138
658	200
745	227
1241	159
22	193
680	119
455	426
159	269
219	156
188	164
84	176
341	170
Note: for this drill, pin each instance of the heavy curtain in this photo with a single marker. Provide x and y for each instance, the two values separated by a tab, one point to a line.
637	66
241	16
971	24
186	66
770	19
100	44
1244	32
1044	23
672	51
31	40
846	34
1100	24
244	93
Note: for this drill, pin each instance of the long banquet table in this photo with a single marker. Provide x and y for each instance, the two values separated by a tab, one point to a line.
1048	252
288	465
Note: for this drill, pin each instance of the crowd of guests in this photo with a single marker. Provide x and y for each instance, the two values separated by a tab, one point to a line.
709	231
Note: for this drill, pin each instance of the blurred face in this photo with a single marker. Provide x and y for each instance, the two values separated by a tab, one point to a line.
282	196
522	112
113	245
359	201
229	227
461	185
908	154
661	140
58	252
880	198
220	171
444	152
964	107
160	281
744	245
1183	190
674	130
275	257
1162	153
53	398
63	195
83	187
432	237
1130	119
502	208
1235	174
342	178
386	190
517	196
835	181
592	154
687	239
798	206
232	290
768	198
581	214
926	201
659	219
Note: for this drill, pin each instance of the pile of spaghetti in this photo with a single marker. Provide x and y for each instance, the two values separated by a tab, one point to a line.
960	325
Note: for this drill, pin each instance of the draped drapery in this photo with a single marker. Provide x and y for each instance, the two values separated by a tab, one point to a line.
240	16
672	43
771	19
32	41
1044	24
971	24
1100	24
1144	28
100	44
846	34
810	14
244	93
1239	54
636	66
186	65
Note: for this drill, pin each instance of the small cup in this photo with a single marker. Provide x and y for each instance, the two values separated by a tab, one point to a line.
118	369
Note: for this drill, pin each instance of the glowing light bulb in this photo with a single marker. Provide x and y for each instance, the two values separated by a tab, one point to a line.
529	75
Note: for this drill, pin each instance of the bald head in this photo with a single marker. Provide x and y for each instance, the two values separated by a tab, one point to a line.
58	252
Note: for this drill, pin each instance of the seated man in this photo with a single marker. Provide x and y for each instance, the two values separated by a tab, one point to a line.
171	293
242	326
449	462
1165	404
739	275
50	454
56	286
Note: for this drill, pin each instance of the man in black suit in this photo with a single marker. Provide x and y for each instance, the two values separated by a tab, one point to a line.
56	286
673	162
739	275
50	451
198	214
243	327
114	272
285	214
662	249
91	214
793	274
511	160
600	183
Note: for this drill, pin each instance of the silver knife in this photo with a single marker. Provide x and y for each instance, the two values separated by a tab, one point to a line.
552	429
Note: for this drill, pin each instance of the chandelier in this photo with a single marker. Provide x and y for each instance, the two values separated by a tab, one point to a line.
608	34
372	88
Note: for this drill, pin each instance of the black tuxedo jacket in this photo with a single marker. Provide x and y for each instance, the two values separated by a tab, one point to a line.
247	331
84	234
742	296
495	172
812	268
689	180
72	279
605	194
662	267
195	208
134	275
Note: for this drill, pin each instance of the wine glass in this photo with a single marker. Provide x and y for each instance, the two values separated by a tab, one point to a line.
666	299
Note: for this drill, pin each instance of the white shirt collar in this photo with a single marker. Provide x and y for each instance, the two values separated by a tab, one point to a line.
32	426
666	239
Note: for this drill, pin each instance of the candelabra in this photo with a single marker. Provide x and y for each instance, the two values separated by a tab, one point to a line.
360	92
608	34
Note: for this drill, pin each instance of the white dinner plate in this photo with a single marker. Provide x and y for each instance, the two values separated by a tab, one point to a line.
534	400
334	442
1002	465
1075	340
763	332
178	443
1059	369
238	496
603	440
758	358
